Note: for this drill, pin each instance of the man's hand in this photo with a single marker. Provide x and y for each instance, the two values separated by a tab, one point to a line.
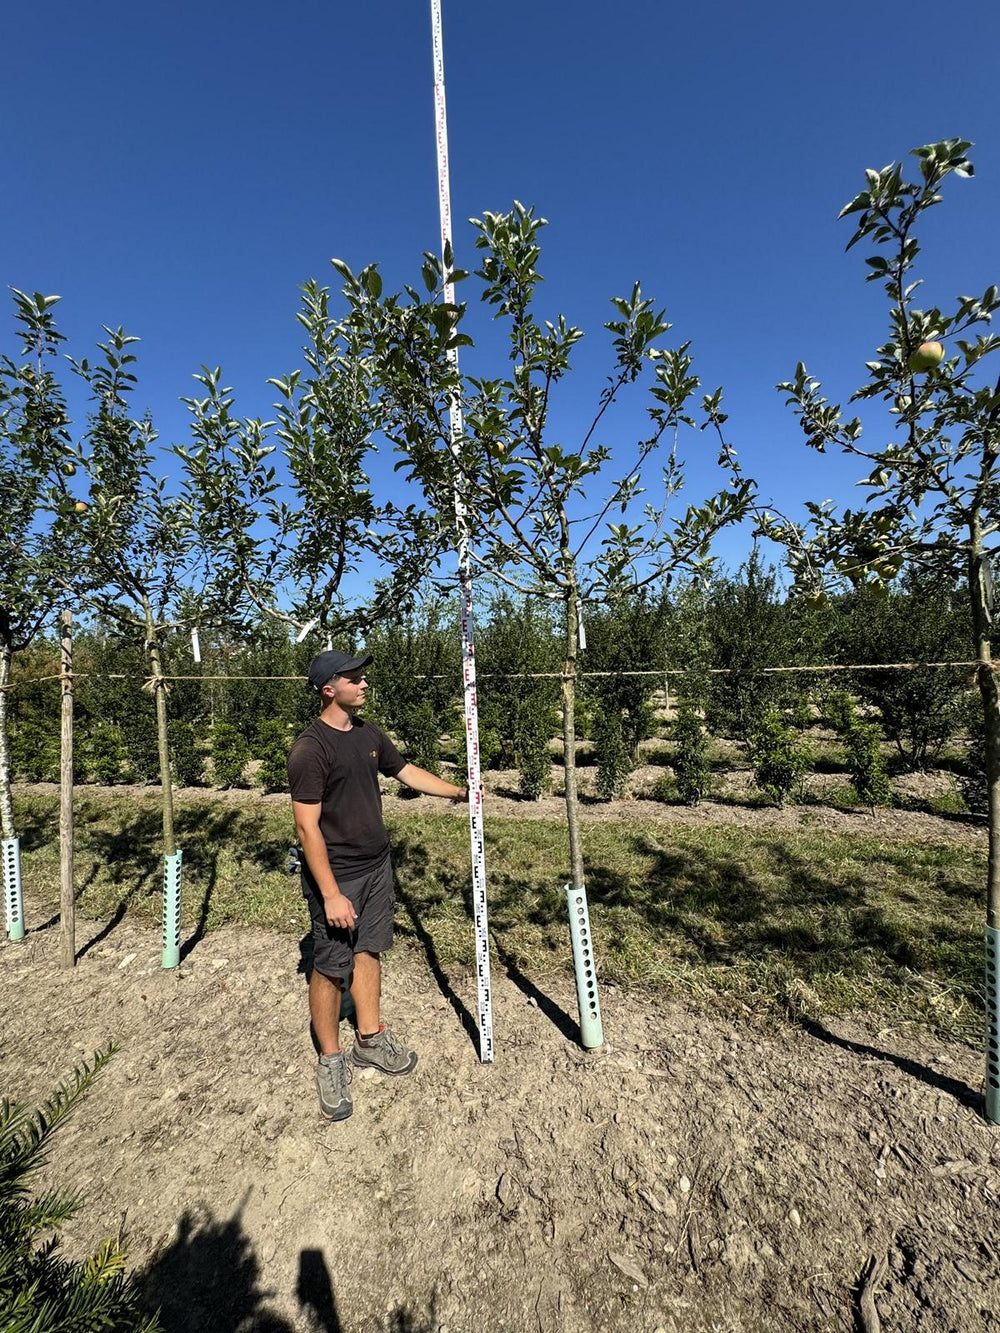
340	911
461	797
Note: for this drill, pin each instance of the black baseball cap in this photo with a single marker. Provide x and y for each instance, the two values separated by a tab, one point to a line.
325	666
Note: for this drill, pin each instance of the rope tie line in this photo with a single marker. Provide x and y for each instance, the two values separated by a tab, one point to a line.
119	675
821	668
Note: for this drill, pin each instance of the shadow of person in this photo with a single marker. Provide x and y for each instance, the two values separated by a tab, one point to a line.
404	1319
314	1292
208	1277
962	1093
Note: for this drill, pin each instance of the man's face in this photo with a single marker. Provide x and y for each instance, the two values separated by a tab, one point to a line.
349	691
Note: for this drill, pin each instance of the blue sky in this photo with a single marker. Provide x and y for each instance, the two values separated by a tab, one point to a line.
181	169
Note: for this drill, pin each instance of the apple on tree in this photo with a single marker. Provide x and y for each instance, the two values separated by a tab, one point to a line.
926	357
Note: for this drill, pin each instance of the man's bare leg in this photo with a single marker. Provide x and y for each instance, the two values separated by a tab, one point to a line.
324	1010
366	992
375	1047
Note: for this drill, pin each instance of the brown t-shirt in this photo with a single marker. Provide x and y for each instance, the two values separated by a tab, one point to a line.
339	771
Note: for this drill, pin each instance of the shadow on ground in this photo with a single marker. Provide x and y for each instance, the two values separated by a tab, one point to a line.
209	1277
768	914
954	1087
771	906
127	857
418	861
183	1280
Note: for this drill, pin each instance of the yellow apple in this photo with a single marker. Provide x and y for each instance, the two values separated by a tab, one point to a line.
926	357
80	507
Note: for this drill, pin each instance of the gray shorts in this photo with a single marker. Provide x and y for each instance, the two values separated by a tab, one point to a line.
374	897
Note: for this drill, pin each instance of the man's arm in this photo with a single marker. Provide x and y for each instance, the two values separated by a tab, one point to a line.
420	780
339	910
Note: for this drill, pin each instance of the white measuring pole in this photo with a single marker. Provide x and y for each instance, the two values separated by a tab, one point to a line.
465	583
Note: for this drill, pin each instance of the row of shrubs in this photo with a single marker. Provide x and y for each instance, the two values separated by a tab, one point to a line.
230	731
779	757
778	751
107	753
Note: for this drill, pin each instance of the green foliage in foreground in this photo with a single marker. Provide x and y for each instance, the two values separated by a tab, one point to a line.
40	1290
723	915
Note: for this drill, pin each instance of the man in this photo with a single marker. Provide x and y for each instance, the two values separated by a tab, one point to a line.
333	770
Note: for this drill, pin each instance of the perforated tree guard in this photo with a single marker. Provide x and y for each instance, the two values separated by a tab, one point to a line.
172	909
585	967
12	901
993	1025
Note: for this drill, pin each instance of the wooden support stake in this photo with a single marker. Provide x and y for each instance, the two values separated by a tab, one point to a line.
67	900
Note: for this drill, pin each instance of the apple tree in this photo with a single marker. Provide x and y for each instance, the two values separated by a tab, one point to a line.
562	521
36	460
934	486
142	570
290	533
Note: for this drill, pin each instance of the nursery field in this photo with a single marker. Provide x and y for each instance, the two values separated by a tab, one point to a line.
742	905
783	1127
780	819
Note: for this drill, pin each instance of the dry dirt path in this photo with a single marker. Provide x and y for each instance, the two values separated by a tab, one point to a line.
502	802
695	1175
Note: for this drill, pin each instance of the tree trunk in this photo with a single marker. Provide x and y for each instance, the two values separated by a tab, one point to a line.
988	690
160	695
67	898
569	741
6	803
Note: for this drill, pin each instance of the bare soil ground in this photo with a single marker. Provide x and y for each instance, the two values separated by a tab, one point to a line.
695	1174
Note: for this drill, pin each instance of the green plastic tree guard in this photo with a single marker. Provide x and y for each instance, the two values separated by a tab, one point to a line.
993	1025
12	899
585	967
172	909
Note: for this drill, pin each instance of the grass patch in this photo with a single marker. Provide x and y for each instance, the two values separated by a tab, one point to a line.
842	796
945	804
948	803
718	914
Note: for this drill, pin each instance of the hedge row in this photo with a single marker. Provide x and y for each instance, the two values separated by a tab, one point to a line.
232	731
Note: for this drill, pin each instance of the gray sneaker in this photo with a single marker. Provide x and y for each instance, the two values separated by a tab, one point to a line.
333	1074
385	1052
